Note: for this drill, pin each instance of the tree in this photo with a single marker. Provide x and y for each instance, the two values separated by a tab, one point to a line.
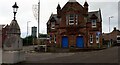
27	40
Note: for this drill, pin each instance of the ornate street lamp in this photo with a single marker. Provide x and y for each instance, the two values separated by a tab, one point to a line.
15	8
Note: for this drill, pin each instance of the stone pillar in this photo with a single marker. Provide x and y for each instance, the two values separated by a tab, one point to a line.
12	46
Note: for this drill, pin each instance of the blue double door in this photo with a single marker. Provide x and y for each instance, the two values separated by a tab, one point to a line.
80	42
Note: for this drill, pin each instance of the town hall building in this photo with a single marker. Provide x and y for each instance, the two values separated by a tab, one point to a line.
74	27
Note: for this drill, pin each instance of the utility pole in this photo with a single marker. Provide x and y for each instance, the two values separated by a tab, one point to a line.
38	17
109	22
27	31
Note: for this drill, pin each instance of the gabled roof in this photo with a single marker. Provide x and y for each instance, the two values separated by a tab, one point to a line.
96	13
69	5
53	16
114	31
93	16
118	32
72	1
6	26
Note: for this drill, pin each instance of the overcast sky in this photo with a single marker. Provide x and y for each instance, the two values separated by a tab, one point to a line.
25	12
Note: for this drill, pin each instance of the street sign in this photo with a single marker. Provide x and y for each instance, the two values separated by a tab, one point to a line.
97	33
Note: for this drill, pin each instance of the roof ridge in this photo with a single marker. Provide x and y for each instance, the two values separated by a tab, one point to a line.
72	1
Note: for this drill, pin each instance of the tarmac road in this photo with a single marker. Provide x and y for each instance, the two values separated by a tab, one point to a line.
0	56
109	55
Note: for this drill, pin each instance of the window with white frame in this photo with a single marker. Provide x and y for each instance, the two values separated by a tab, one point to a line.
76	19
94	23
50	38
54	38
52	25
71	19
97	39
91	38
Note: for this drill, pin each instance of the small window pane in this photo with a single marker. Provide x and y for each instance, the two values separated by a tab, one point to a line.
71	19
54	38
91	38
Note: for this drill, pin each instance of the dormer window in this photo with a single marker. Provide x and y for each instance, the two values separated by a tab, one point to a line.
53	25
94	23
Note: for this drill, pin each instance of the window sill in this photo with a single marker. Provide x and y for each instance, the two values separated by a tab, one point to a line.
53	28
71	23
91	42
94	26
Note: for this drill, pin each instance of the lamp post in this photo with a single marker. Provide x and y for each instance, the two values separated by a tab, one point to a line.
27	27
109	22
109	31
38	17
27	31
15	8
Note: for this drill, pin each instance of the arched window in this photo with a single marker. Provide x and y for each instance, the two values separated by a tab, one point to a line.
52	25
94	23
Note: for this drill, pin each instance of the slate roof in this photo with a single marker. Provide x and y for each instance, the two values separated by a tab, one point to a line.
53	16
69	3
96	13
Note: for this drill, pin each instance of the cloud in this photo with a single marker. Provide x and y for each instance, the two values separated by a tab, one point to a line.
25	12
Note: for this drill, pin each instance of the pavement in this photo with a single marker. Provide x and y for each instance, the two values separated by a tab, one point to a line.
109	55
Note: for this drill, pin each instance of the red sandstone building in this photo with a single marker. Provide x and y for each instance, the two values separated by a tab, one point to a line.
112	36
73	26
